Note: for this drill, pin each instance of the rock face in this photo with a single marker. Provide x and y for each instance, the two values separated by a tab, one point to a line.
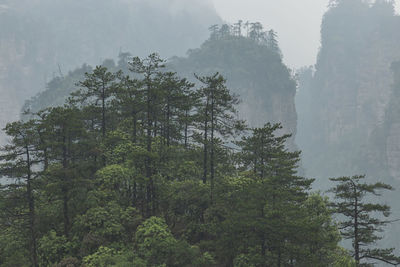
350	90
391	127
40	39
254	71
393	150
16	77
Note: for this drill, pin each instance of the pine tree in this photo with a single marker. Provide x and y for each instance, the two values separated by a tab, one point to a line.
238	28
177	101
256	30
128	103
278	192
19	161
214	30
360	226
149	69
217	115
95	92
272	41
65	138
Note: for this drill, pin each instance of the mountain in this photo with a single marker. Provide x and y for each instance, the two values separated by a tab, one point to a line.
41	39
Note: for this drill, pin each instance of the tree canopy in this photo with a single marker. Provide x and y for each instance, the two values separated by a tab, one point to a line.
115	177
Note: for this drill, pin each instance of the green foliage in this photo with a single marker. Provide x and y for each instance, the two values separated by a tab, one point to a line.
156	244
116	178
342	258
155	241
105	257
52	248
14	248
107	224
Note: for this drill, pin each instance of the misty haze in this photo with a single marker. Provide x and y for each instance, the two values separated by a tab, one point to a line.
222	133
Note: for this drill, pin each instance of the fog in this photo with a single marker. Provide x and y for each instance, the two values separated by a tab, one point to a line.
297	23
205	160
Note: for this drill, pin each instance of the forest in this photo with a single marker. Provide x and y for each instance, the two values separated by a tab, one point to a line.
196	160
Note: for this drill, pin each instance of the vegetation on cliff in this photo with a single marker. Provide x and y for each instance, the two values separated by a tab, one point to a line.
250	59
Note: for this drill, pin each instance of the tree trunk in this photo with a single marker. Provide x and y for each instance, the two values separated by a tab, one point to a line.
168	124
103	120
65	187
148	159
212	159
31	204
263	247
186	128
356	239
134	127
103	113
205	144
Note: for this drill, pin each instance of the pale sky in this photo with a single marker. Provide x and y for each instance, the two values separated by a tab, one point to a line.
297	23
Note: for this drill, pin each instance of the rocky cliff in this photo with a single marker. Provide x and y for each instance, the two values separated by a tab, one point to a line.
391	127
350	90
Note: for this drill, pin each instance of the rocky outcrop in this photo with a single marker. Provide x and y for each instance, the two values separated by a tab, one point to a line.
350	90
393	150
254	71
17	78
391	127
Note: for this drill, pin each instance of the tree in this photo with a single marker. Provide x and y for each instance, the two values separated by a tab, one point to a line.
276	193
225	31
272	41
217	115
214	29
256	31
65	136
128	102
177	101
157	246
19	161
149	69
359	225
95	91
238	28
